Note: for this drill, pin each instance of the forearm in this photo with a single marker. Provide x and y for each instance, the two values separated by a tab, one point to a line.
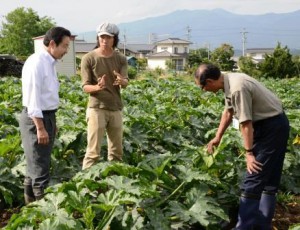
226	120
247	133
39	124
91	88
224	123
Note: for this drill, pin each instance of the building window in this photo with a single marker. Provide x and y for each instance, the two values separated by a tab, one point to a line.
178	63
186	50
175	50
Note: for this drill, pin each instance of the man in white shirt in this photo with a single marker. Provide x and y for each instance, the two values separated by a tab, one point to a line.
40	101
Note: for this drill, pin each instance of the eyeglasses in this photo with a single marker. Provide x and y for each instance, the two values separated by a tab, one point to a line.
200	80
202	83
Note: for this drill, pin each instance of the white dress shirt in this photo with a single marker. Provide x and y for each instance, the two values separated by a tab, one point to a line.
40	85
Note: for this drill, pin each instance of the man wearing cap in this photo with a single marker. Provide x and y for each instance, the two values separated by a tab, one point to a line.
265	131
103	74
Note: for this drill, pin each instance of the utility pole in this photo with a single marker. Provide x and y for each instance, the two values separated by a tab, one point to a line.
244	39
152	38
208	50
188	34
124	47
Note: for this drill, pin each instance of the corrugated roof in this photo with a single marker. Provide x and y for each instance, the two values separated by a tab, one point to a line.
84	47
260	50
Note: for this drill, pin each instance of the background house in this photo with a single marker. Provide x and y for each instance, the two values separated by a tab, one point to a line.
132	61
65	66
82	47
174	50
258	54
132	50
136	50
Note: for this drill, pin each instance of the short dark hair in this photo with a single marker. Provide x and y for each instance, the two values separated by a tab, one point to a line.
56	34
206	71
115	45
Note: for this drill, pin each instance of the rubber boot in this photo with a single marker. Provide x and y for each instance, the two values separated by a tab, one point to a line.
38	193
40	197
28	194
248	213
267	207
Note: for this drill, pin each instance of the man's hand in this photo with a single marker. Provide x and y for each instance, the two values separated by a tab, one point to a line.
253	166
42	136
101	82
120	80
211	144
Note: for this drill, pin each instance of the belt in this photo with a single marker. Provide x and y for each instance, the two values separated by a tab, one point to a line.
43	111
259	122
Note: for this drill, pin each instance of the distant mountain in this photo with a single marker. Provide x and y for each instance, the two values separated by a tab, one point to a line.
211	28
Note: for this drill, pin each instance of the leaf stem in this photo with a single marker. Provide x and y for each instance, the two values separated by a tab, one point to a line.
172	194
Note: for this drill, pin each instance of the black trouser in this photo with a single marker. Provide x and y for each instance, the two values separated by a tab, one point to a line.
37	156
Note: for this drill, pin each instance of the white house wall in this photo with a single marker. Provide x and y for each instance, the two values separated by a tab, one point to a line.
171	49
67	65
157	63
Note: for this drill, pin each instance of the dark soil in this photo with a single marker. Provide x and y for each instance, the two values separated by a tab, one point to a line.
285	216
5	215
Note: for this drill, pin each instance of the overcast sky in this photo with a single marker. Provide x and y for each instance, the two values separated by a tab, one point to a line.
85	15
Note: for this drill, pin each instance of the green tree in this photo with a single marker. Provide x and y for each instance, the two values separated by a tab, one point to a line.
296	60
142	63
222	56
20	27
279	64
196	57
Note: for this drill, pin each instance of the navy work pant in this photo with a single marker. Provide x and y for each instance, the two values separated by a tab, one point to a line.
270	144
258	198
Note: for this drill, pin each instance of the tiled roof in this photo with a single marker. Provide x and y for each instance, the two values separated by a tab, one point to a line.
174	41
138	47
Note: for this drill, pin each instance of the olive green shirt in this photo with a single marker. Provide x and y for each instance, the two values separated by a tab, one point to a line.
249	99
93	67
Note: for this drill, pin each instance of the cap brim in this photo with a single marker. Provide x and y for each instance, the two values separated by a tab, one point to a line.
106	33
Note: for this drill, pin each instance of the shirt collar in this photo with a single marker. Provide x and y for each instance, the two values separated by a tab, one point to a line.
49	57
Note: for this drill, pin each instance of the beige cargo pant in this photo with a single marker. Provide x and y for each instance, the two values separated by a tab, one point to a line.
100	121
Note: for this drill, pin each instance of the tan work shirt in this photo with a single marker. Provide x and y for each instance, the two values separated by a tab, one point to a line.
249	99
93	67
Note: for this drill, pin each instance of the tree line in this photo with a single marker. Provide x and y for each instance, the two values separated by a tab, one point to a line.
280	64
